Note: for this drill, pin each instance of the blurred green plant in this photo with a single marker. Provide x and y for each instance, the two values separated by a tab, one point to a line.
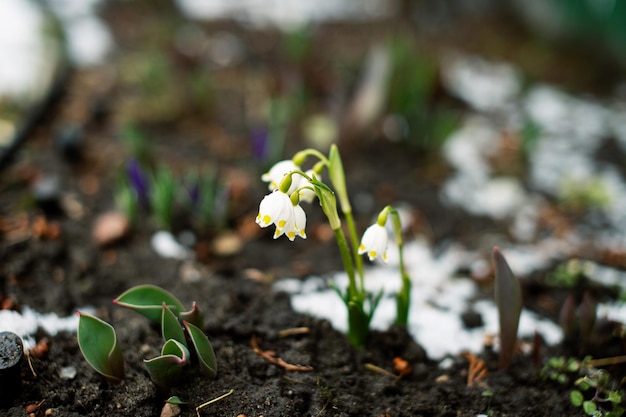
148	187
296	43
567	274
162	196
581	196
420	121
607	399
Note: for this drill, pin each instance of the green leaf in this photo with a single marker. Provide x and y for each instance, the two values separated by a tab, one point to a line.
166	370
202	345
615	397
328	203
147	300
174	399
170	326
508	296
590	408
576	398
98	343
193	316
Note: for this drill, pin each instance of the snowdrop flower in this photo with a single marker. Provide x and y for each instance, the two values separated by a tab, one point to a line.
278	209
275	175
374	242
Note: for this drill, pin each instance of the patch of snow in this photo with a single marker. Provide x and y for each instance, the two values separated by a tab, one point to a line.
23	49
26	323
286	14
166	246
484	85
88	38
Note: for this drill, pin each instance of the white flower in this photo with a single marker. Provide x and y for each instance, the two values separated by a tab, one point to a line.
306	194
276	174
276	208
374	242
294	226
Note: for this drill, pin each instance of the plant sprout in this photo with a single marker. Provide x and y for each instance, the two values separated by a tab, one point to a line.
165	370
508	296
98	342
281	208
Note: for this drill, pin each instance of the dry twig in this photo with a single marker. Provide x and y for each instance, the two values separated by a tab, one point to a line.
477	369
270	356
214	400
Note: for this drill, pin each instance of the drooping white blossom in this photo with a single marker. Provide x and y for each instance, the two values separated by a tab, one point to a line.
277	172
277	209
374	242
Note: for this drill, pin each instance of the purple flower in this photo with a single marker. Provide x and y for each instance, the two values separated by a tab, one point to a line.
138	182
260	141
194	194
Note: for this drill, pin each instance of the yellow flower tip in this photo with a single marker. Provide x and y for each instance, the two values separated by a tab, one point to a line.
385	256
291	235
281	224
266	220
372	254
361	249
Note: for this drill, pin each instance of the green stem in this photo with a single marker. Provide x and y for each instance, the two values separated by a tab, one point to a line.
299	157
403	298
354	294
354	240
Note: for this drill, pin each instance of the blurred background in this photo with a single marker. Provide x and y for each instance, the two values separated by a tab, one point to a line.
251	65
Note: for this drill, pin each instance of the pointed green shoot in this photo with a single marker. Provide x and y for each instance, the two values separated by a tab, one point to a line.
338	178
193	316
98	343
170	326
206	355
508	296
165	370
147	300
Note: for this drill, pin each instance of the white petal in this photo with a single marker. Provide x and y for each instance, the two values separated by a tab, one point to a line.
274	209
374	242
307	195
300	221
275	175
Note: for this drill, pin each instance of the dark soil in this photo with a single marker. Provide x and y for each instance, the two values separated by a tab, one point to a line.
60	272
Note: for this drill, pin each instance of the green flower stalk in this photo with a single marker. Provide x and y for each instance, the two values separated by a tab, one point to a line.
290	185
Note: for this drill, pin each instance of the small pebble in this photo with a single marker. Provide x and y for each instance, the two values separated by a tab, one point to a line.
67	372
11	354
170	410
190	272
109	228
227	244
